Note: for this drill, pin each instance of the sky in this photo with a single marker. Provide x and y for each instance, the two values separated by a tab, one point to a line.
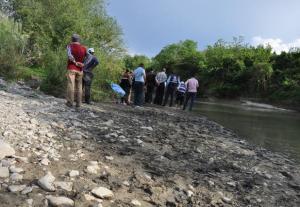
149	25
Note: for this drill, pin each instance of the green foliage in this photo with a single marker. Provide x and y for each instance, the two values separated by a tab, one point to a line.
49	26
132	62
12	48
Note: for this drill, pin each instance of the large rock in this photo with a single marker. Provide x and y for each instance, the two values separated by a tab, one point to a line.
102	192
5	150
60	201
4	172
46	182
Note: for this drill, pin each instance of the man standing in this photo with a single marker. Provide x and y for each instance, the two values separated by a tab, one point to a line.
76	55
150	83
192	85
138	87
160	79
172	84
89	64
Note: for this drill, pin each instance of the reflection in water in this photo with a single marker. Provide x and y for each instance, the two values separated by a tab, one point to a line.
278	130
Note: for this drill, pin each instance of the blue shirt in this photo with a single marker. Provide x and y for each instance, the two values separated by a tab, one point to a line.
139	74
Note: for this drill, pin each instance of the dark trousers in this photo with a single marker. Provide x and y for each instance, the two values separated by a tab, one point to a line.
192	96
159	95
86	85
138	88
179	98
149	94
170	92
124	99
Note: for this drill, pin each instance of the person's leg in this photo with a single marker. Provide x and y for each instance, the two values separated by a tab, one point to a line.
167	95
181	99
78	88
193	96
70	87
135	91
139	93
151	90
187	97
172	92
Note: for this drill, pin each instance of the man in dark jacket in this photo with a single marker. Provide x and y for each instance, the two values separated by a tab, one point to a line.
150	84
172	84
89	64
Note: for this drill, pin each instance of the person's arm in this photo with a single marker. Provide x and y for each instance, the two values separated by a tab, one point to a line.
70	56
144	75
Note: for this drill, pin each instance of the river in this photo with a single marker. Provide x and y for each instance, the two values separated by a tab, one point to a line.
260	124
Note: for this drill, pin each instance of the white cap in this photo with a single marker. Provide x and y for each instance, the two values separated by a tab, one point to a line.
91	50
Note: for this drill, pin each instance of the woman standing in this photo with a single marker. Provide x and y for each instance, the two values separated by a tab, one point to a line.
125	83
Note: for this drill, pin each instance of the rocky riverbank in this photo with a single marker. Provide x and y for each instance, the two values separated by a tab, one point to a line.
113	155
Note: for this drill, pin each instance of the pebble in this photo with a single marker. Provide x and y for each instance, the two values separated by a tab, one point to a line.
14	169
67	186
45	161
103	193
16	177
109	157
4	172
136	203
46	182
60	201
5	150
74	173
27	190
16	188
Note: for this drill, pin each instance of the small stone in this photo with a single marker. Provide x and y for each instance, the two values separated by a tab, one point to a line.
89	197
147	128
45	161
46	182
126	183
29	202
67	186
226	199
92	169
16	188
74	173
190	193
5	150
16	177
60	201
136	203
232	184
103	193
109	158
4	172
14	169
27	190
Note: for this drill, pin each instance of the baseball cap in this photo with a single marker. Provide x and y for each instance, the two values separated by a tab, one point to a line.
91	50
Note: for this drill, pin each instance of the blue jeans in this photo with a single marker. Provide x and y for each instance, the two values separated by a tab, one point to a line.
138	88
192	96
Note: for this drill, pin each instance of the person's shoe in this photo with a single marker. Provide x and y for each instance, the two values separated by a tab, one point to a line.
68	104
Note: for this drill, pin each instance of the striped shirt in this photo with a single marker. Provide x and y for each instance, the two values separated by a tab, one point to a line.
182	87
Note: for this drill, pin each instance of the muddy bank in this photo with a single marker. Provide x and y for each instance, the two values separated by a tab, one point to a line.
141	157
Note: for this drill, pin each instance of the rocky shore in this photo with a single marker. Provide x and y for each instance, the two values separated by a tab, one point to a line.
113	155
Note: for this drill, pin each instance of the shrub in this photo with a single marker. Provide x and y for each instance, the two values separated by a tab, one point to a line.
12	48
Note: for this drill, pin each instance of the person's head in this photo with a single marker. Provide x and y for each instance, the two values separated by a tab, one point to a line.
91	50
142	65
75	38
164	69
127	71
181	82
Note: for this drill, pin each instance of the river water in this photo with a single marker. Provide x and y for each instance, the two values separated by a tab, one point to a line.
263	125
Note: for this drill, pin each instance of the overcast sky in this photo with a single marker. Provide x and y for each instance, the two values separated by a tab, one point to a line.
149	25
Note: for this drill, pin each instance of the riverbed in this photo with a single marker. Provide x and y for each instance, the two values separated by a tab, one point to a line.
263	125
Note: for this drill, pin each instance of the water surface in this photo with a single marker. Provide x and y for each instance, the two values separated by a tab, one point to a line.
263	125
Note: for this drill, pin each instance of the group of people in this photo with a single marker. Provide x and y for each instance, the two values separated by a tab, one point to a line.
81	62
166	88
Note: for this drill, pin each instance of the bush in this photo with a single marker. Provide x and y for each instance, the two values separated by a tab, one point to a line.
226	91
12	48
55	64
